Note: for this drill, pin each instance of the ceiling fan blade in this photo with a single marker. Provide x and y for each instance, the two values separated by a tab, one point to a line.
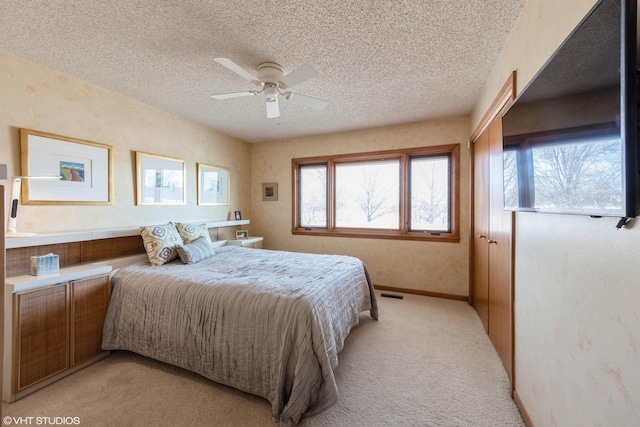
309	101
233	94
297	76
238	70
273	109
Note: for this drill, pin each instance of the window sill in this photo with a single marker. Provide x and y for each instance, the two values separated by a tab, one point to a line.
419	236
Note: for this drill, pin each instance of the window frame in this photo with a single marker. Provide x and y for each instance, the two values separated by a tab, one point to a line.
403	232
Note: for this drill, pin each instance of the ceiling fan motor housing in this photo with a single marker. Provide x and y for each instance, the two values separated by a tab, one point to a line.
270	72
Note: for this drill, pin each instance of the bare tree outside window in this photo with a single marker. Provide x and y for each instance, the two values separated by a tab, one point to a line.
368	194
511	194
430	193
583	174
313	196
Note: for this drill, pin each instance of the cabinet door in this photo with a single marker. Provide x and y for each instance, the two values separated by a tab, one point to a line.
41	334
90	298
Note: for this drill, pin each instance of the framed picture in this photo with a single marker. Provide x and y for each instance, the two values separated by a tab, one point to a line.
238	215
85	169
242	234
270	191
213	185
160	180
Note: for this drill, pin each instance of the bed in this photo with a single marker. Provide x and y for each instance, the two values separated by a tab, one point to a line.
270	323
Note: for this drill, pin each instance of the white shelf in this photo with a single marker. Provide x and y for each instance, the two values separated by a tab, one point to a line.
244	242
24	282
81	236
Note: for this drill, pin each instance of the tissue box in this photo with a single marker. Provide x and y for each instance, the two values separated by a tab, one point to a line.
45	264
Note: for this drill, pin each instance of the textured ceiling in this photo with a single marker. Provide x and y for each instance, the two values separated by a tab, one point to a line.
379	62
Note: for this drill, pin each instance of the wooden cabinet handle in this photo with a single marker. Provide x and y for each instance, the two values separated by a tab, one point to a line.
492	241
481	236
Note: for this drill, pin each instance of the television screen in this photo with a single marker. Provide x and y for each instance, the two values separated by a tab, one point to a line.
570	137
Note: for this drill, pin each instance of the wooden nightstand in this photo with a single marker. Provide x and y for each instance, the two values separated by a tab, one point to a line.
52	326
251	242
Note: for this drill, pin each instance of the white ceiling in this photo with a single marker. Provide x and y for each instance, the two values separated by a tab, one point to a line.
380	62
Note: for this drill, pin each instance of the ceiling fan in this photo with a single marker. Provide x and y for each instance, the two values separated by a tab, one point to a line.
273	83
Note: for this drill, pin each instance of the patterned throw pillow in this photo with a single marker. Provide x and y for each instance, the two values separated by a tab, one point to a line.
160	241
195	251
190	232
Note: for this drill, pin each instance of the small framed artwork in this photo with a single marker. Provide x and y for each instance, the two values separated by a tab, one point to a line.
238	215
270	191
85	170
242	234
213	185
160	180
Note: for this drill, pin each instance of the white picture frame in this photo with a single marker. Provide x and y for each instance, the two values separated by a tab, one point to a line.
160	180
85	169
214	185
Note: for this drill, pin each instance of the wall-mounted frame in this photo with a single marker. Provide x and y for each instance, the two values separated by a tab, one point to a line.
85	169
214	185
160	180
270	191
242	234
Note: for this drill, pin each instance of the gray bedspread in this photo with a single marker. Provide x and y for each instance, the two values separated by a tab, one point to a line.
270	323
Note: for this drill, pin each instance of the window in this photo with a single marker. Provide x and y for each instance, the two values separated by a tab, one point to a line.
368	194
401	194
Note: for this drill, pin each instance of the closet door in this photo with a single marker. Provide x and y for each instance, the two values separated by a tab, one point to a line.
492	240
500	253
481	227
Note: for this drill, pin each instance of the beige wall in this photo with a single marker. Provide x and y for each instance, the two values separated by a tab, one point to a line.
577	340
426	266
39	98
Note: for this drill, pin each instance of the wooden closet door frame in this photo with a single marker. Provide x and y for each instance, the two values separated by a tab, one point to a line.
498	107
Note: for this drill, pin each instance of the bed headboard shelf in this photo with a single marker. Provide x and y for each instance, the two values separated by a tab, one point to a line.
81	247
108	233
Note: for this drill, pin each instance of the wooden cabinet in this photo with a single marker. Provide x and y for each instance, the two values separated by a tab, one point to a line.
251	242
89	302
41	334
53	326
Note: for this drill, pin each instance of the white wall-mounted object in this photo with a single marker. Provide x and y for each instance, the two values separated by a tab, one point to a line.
250	242
16	188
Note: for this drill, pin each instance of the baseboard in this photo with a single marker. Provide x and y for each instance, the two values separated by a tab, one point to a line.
423	293
523	411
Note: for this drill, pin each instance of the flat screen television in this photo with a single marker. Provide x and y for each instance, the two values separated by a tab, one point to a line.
570	137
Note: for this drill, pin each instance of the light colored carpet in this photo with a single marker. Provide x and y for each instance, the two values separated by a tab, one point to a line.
426	362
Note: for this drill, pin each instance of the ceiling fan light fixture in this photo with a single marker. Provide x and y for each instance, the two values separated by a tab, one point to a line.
271	92
273	82
273	109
